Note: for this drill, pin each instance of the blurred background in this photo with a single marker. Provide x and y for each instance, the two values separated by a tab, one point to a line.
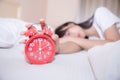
55	12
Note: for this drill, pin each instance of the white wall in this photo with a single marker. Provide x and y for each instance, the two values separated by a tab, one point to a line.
60	11
55	12
33	10
8	8
28	10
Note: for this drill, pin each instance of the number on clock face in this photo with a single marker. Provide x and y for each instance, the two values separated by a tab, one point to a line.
40	49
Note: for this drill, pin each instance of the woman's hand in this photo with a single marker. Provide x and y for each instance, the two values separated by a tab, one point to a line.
56	39
66	45
31	28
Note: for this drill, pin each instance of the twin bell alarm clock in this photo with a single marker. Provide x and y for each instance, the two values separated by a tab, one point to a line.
40	47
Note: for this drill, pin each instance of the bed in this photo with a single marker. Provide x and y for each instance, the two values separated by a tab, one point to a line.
98	63
13	66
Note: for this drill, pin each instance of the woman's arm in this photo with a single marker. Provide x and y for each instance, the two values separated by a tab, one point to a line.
68	47
111	35
65	47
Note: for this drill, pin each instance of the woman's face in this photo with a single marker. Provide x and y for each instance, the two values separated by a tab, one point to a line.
75	31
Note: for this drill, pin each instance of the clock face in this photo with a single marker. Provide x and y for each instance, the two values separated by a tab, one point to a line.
40	49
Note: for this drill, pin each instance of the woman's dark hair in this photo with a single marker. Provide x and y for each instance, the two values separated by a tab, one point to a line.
60	30
87	24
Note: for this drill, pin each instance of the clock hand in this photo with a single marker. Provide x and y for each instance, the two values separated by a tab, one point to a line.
45	46
40	43
39	50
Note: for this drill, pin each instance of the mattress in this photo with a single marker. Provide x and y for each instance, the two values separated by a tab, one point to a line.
13	66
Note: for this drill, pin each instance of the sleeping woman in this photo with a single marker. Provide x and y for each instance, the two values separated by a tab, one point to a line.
101	28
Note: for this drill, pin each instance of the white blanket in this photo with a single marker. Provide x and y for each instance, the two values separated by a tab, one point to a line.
105	61
10	31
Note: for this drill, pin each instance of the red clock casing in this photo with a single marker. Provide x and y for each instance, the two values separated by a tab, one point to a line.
40	48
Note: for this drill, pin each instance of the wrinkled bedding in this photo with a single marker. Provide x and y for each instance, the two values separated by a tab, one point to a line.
13	66
99	63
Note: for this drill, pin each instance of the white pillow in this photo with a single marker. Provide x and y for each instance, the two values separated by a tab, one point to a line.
105	61
10	31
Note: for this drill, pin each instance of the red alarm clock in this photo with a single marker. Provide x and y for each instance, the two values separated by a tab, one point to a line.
39	48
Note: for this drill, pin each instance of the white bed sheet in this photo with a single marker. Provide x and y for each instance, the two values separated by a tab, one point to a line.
13	66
